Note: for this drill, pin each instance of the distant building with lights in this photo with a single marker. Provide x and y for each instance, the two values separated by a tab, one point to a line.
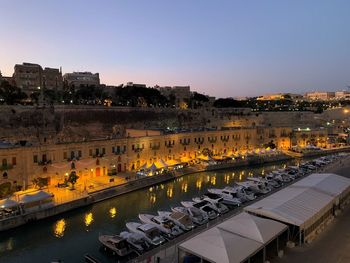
280	96
77	79
342	95
320	95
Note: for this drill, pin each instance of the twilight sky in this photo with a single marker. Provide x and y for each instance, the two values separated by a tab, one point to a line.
221	48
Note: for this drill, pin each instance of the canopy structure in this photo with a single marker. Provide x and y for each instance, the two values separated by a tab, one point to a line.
234	240
8	203
173	162
38	196
185	159
162	164
331	184
219	245
302	203
253	227
153	167
144	166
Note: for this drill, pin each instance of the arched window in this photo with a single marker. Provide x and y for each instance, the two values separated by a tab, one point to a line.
4	162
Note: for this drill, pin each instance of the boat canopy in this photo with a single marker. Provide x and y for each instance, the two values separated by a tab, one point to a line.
38	196
8	203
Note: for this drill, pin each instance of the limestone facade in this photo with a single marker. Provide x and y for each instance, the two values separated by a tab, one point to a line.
21	164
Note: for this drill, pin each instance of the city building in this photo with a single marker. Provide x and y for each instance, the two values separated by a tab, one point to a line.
280	96
342	95
135	85
77	79
31	77
320	95
52	79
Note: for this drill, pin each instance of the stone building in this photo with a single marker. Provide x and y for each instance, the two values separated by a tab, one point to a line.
31	77
77	79
21	164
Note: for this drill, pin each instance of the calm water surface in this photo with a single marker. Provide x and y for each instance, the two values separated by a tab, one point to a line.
69	236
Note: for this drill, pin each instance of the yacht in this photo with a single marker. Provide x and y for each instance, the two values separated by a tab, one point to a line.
198	217
256	188
149	232
204	207
116	244
267	182
215	203
167	227
229	197
136	241
180	219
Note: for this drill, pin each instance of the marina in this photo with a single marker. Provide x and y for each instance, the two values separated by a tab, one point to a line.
79	230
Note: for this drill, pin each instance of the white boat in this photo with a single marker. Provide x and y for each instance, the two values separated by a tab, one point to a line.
167	227
150	232
215	203
267	182
197	216
229	197
180	219
116	244
256	188
281	176
136	241
203	206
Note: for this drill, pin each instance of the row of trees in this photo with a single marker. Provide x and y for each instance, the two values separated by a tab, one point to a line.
132	96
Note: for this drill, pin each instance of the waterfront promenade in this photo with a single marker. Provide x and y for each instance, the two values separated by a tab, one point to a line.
103	188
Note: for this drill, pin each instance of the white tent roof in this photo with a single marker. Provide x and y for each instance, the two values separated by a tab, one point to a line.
7	203
304	202
253	227
331	184
28	198
234	240
219	245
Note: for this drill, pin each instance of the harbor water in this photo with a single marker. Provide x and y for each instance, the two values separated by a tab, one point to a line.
69	236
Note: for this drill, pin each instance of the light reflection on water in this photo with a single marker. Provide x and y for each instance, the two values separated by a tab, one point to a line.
88	219
112	212
59	228
69	238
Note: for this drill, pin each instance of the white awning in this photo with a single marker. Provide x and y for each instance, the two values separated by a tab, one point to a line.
219	245
253	227
234	240
331	184
303	202
38	196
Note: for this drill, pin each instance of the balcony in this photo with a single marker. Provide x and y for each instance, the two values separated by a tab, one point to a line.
199	142
225	139
155	147
138	150
185	142
6	167
119	152
212	140
272	136
169	145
